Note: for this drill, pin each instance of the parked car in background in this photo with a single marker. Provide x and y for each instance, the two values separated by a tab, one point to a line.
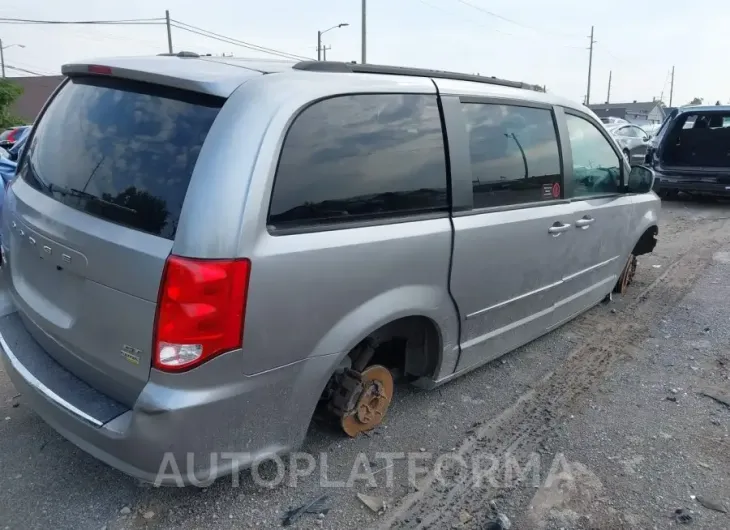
10	136
201	279
691	152
651	129
632	139
612	121
9	164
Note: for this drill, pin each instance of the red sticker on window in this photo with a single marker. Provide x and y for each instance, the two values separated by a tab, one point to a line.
556	190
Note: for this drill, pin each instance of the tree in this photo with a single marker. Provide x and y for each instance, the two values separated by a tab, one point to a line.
9	92
696	101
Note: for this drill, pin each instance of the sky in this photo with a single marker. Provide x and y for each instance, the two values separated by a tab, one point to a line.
537	41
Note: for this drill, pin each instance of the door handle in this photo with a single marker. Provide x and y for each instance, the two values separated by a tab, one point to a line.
558	228
584	222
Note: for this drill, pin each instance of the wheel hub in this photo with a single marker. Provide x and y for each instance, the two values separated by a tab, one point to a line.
370	407
627	275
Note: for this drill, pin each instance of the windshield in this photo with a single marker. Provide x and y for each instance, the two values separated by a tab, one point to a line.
120	150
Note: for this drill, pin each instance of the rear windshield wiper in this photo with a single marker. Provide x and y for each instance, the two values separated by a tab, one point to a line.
73	192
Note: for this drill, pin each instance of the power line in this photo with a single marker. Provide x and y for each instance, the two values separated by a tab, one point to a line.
515	22
230	40
22	70
160	21
438	8
138	21
41	71
490	28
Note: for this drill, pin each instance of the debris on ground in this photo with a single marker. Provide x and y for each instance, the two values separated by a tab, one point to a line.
720	395
148	515
126	510
711	504
465	517
671	398
500	523
376	504
318	507
682	516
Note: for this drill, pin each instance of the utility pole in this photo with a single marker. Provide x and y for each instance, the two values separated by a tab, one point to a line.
671	88
364	31
2	59
324	52
608	96
319	45
169	31
590	66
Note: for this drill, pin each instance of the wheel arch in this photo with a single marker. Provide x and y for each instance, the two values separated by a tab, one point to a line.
647	241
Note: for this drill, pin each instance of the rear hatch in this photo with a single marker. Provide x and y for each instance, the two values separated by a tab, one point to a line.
697	147
93	217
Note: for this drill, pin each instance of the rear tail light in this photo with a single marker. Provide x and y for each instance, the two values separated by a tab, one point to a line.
200	311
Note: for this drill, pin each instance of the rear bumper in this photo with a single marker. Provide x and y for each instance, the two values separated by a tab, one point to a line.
690	184
172	436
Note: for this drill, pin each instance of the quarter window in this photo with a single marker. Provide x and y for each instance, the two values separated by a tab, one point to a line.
596	166
361	157
514	154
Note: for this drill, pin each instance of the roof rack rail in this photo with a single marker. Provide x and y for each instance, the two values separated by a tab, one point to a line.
342	67
183	54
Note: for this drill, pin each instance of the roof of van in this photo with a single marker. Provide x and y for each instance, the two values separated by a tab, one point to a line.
220	76
704	108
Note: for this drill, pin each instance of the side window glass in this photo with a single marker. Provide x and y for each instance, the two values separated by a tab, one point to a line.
361	157
514	154
596	166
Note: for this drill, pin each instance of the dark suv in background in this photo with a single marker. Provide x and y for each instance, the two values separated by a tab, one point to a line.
691	152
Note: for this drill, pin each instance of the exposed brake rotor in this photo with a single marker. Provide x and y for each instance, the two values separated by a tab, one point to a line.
627	275
362	399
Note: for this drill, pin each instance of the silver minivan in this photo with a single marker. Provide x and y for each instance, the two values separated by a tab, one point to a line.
202	251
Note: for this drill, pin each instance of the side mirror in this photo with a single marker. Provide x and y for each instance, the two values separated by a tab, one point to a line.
641	179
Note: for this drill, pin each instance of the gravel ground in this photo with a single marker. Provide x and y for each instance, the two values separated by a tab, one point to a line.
649	441
47	482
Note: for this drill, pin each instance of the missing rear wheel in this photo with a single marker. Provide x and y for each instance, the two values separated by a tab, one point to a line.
361	400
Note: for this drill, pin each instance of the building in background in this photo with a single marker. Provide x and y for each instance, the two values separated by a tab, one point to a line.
638	113
36	90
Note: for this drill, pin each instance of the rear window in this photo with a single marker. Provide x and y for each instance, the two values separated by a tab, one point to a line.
120	150
710	120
